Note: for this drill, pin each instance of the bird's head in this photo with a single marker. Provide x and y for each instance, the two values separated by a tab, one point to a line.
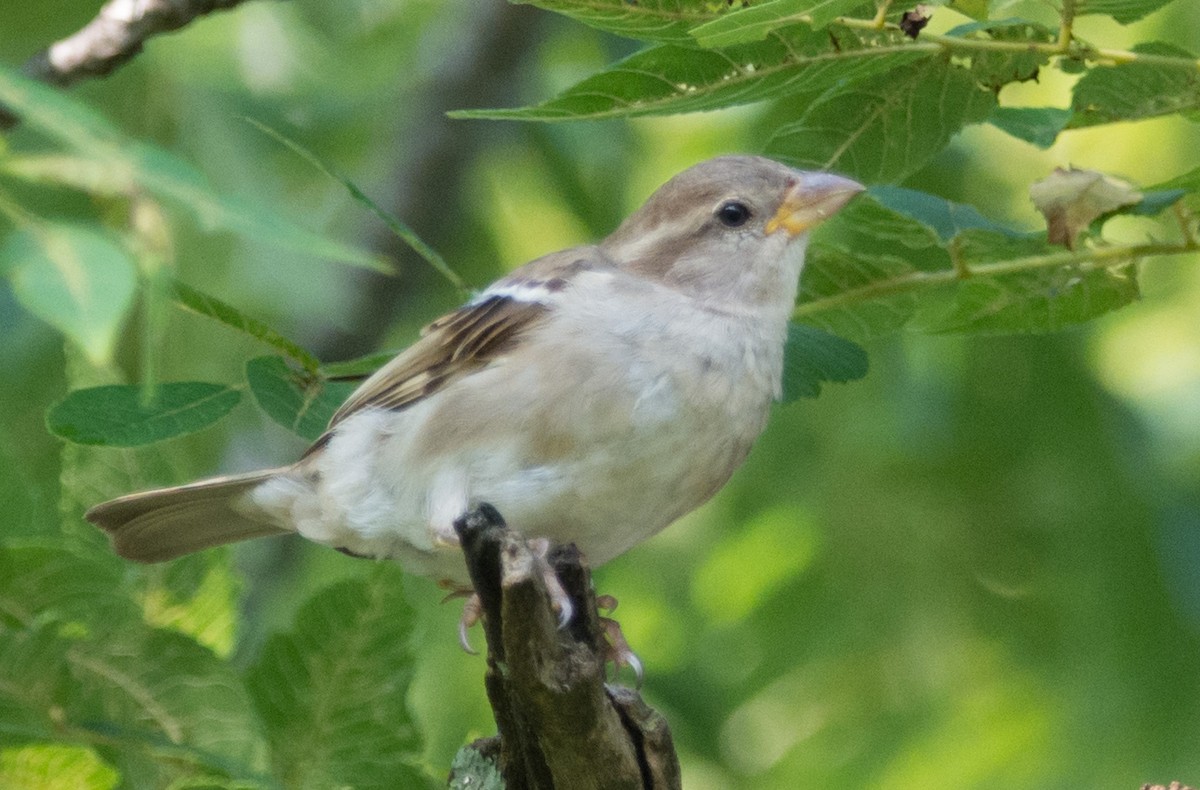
732	229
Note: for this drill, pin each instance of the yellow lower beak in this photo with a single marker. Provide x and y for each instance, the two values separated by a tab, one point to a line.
815	198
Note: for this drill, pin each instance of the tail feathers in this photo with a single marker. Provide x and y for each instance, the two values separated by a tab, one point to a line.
160	525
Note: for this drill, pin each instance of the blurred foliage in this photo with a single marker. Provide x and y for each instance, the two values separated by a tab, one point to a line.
977	567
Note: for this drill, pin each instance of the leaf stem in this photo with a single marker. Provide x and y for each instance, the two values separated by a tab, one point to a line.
919	280
1072	48
881	14
1064	31
402	231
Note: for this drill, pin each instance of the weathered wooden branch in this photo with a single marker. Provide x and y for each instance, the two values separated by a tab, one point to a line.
560	726
117	33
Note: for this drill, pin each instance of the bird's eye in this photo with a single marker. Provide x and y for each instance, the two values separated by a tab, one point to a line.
733	214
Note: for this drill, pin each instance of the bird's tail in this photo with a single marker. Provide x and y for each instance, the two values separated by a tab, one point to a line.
159	525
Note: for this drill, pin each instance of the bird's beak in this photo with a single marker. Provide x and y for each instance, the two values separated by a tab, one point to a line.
815	198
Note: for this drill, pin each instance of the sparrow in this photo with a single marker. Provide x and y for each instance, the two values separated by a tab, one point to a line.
592	396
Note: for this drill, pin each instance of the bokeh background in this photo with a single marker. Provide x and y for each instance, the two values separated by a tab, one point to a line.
977	568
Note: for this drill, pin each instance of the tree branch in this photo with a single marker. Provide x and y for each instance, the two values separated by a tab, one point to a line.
560	726
115	36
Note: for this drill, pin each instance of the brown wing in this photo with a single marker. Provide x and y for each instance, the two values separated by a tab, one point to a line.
452	346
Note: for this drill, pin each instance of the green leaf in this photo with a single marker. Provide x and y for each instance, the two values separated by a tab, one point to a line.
1153	203
130	162
229	315
945	218
754	22
301	403
1129	91
1124	11
42	583
73	278
675	79
401	230
358	368
847	294
1037	300
33	680
887	127
1002	283
162	703
173	179
95	176
116	415
59	116
1037	125
52	766
332	692
995	69
655	20
813	357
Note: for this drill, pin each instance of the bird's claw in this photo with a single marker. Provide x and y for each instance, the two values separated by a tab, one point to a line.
617	648
472	611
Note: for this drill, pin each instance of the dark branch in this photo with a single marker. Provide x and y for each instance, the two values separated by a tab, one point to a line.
560	725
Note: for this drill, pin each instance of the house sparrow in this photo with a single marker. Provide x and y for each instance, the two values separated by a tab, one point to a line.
593	396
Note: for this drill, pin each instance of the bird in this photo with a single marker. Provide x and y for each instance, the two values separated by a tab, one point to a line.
592	396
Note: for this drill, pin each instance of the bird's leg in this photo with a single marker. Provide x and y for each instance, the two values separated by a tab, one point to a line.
618	650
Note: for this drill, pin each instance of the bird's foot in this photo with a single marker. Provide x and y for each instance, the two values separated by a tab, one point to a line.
618	650
559	600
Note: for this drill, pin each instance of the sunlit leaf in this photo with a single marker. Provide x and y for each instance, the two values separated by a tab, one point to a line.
301	403
754	22
673	79
884	128
90	174
74	278
53	766
1124	11
332	692
1137	90
1037	125
116	415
